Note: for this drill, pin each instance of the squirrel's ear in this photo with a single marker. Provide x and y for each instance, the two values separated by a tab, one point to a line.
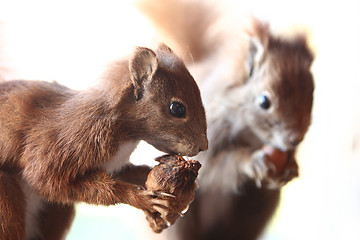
300	40
255	54
259	33
256	49
143	65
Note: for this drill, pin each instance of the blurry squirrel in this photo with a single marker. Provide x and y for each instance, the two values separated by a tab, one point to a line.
60	146
257	90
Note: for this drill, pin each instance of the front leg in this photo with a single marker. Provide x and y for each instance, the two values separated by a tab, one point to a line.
133	174
94	187
146	200
137	175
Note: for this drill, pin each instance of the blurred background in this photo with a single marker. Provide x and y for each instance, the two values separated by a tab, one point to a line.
72	41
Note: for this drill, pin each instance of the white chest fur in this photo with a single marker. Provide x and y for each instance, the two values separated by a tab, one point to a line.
121	157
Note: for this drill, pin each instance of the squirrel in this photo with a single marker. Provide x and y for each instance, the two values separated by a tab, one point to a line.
257	89
60	146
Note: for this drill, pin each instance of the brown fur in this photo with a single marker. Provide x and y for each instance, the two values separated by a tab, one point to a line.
238	192
55	219
58	145
12	207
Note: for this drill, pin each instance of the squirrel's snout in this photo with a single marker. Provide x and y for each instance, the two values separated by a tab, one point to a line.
203	146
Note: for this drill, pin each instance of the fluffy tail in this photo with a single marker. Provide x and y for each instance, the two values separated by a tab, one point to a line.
183	25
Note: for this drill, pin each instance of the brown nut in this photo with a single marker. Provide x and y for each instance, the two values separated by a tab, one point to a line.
277	157
176	176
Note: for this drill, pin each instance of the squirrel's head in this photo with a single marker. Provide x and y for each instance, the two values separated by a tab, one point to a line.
167	105
280	89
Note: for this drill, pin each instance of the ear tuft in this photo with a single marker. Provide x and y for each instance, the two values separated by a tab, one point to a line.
300	41
164	47
142	65
259	30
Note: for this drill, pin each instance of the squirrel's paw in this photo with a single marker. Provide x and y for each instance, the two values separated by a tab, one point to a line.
260	168
289	172
265	173
157	223
157	208
154	201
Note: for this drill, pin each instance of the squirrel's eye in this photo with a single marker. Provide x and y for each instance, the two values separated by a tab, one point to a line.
264	102
177	109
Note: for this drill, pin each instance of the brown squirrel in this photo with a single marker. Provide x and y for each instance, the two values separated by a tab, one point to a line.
257	90
60	146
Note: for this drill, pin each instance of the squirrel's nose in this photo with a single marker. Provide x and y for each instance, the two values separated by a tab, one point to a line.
295	140
203	146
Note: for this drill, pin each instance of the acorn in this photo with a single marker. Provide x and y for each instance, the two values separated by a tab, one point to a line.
177	177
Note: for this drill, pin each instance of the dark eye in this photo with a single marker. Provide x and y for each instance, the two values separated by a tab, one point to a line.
264	102
177	109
